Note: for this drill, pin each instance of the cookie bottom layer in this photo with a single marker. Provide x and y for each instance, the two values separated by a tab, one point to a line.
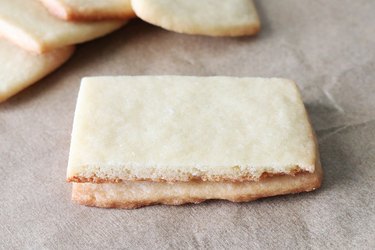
134	194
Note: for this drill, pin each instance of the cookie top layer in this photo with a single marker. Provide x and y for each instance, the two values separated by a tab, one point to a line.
202	17
176	128
31	26
20	68
89	10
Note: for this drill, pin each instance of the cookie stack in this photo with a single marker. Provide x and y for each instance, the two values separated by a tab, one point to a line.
34	42
36	37
143	140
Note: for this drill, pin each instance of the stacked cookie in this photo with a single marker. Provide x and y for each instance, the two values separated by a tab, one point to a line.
34	42
36	37
143	140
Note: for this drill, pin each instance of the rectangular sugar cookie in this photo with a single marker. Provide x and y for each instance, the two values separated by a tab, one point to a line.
29	25
168	132
19	68
200	17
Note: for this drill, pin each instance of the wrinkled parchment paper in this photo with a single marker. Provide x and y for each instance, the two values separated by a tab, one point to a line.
328	47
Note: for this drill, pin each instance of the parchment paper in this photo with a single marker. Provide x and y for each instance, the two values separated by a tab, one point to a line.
328	47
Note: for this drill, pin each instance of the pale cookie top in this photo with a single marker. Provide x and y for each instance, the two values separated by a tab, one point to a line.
89	9
203	17
31	26
179	128
20	68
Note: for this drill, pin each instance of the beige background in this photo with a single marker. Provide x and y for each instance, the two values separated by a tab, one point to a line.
328	47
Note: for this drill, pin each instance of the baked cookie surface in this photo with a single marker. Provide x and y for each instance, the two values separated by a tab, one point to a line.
201	17
175	128
39	31
19	68
90	10
142	140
